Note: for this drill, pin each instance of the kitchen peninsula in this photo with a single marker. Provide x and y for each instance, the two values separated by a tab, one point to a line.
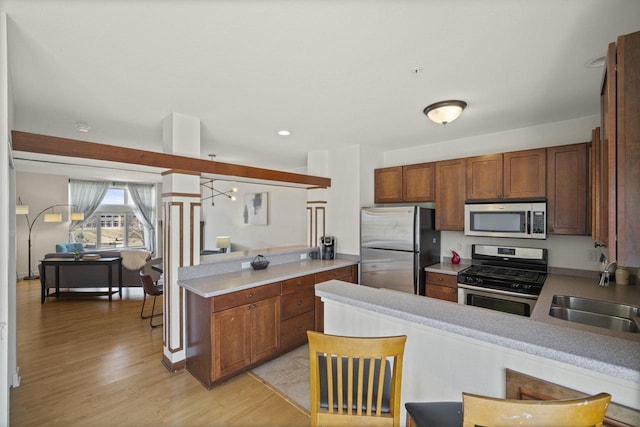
238	318
453	348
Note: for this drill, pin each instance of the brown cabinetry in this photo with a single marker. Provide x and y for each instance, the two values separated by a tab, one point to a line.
484	177
230	333
441	286
417	183
567	190
515	175
297	312
450	194
388	185
620	135
410	183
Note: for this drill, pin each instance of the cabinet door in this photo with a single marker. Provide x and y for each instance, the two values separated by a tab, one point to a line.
388	185
525	174
232	340
418	183
450	194
484	177
567	189
442	292
608	154
265	328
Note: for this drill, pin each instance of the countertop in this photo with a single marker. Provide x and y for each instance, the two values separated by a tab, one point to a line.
447	268
588	347
224	283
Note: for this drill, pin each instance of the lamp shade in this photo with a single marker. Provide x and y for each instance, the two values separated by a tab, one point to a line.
22	209
53	217
445	111
76	216
223	241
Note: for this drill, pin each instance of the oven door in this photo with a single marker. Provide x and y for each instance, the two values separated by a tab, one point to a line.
507	302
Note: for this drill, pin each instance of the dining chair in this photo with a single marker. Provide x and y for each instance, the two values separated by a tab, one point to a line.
151	289
476	410
355	380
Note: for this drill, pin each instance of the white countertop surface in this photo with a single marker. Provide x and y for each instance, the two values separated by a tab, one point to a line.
596	349
220	284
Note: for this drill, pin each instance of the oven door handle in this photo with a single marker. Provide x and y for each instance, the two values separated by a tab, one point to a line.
497	291
528	221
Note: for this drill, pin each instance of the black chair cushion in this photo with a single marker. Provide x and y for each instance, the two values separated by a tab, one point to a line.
386	388
435	414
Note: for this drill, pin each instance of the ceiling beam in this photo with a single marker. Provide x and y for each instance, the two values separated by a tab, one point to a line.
44	144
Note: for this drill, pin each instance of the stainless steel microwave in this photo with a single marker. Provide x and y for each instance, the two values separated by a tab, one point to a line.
503	219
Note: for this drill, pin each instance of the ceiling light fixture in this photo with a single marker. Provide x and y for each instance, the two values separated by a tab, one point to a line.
284	132
82	127
596	62
444	112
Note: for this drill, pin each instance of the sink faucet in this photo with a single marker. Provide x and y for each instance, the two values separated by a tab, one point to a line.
604	279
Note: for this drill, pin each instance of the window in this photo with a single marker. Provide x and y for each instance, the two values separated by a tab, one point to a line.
113	225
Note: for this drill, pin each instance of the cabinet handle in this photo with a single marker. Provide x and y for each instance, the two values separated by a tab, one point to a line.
253	306
299	283
251	295
440	279
299	302
248	307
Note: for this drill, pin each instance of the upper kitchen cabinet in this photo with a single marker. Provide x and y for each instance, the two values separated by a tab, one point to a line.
515	175
567	190
484	177
450	194
388	185
418	183
621	137
525	174
410	183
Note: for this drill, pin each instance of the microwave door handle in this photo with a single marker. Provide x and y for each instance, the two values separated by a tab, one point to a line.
527	223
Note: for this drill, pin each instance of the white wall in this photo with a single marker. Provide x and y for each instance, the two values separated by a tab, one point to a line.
287	217
38	192
547	135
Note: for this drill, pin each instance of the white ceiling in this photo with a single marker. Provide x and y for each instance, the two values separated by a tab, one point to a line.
333	72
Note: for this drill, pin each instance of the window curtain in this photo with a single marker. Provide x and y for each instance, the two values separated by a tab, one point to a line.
143	197
86	196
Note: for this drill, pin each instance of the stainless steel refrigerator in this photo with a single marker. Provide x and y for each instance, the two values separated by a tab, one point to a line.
396	244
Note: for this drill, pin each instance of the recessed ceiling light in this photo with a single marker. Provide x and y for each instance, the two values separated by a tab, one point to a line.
596	62
284	132
82	127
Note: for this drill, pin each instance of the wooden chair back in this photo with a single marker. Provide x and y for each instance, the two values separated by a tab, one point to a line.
355	381
495	412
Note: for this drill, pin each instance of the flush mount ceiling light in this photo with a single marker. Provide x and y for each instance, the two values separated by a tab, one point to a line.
284	132
82	127
596	62
444	112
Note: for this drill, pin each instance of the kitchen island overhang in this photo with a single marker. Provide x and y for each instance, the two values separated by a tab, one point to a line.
453	348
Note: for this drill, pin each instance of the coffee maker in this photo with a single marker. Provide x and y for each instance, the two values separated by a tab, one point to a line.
328	247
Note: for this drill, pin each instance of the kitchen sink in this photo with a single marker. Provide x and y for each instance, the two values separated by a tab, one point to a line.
614	323
595	306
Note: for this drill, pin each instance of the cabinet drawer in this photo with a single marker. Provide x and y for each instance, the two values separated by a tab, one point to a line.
442	292
293	332
450	280
298	302
302	282
234	299
342	273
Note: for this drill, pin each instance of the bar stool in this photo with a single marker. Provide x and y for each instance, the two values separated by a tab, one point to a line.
153	290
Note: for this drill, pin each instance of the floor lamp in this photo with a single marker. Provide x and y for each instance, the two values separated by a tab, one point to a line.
22	209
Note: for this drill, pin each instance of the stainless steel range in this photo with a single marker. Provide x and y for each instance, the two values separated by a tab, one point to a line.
503	278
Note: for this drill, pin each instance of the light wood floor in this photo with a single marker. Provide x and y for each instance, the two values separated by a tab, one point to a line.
88	362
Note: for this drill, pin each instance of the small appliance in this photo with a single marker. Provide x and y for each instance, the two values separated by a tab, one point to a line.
522	220
328	247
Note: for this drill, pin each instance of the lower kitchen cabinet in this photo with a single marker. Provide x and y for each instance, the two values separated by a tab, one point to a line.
441	286
233	332
245	335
